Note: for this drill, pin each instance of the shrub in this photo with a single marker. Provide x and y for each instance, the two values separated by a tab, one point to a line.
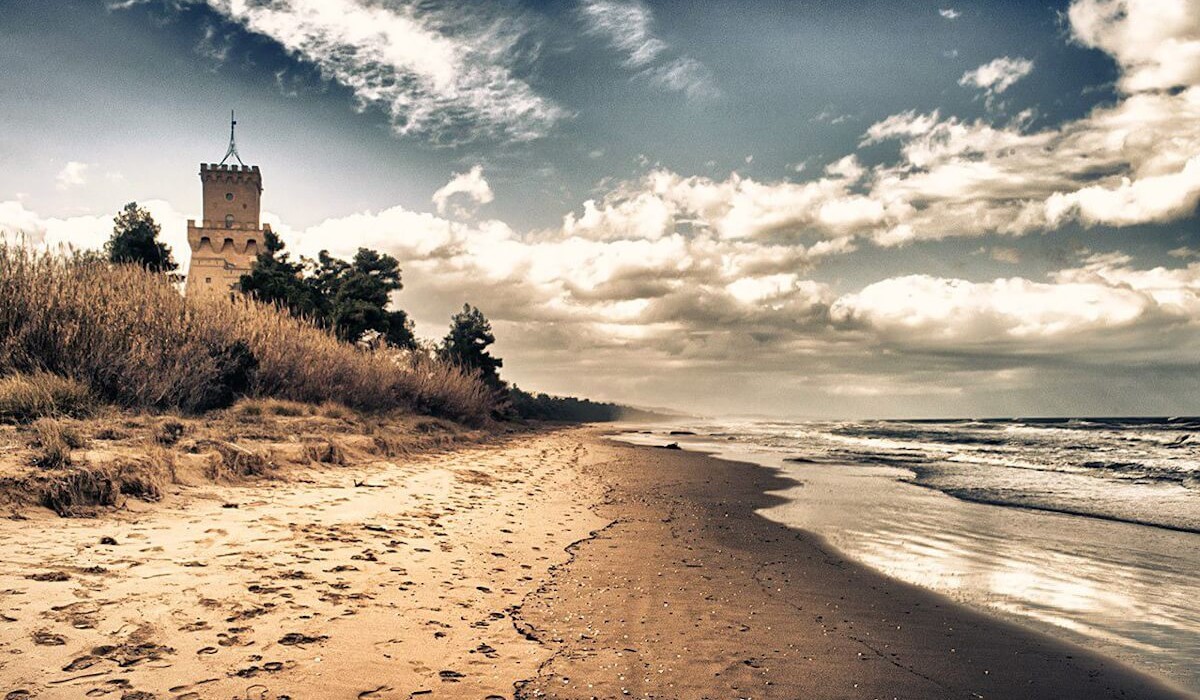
73	491
27	397
54	441
169	432
129	336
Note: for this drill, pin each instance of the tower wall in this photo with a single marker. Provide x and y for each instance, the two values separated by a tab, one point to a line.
226	241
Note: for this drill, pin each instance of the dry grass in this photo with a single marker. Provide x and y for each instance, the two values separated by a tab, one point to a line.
54	441
116	457
26	397
129	337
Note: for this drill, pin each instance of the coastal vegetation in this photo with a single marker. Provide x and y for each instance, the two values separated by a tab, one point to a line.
128	337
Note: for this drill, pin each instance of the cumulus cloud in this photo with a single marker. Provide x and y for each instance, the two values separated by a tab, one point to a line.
22	226
628	26
441	73
934	312
73	174
470	184
997	75
1151	199
1156	43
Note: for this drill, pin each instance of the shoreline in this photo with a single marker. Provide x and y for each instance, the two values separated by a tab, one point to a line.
812	623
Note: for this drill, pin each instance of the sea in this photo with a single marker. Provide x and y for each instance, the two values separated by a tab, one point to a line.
1084	528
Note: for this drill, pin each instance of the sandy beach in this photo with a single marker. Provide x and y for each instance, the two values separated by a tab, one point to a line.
555	564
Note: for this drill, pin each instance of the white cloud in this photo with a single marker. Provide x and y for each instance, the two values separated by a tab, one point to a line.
1155	42
628	25
73	174
438	72
22	226
949	13
997	75
470	184
1151	199
925	311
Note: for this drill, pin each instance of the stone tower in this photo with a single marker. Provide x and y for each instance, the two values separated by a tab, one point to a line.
229	237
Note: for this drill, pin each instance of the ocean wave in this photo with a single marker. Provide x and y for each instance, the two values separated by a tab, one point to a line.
1143	470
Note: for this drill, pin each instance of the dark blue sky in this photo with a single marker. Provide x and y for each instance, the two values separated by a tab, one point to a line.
708	127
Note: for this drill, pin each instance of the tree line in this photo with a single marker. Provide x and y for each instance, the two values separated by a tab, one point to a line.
352	299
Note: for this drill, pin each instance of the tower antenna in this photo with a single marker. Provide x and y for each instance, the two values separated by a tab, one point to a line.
232	144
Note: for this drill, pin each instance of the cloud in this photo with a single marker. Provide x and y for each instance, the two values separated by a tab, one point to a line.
1014	314
998	75
470	184
1156	43
73	174
627	25
22	226
1152	199
949	13
444	74
1012	256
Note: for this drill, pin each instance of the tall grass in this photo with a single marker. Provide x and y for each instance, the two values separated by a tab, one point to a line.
132	338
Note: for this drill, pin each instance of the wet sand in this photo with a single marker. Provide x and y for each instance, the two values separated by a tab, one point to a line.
549	565
690	594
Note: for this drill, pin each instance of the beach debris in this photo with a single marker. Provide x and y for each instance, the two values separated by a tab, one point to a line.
295	638
672	446
108	540
48	639
451	676
50	576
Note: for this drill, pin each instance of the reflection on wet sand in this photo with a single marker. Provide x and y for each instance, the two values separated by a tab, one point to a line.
1124	589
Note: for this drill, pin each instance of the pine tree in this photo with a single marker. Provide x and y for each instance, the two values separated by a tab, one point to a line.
135	240
467	342
275	279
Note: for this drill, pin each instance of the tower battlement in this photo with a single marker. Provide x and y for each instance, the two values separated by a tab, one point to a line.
221	167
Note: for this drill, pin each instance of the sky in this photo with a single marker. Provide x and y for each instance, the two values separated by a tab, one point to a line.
792	208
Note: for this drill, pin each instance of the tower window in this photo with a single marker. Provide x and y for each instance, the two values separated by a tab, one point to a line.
229	221
229	196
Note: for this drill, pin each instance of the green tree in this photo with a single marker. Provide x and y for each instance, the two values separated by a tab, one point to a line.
135	240
275	279
350	298
401	332
467	342
357	292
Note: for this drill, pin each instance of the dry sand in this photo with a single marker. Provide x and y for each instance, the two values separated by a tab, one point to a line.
309	588
549	565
